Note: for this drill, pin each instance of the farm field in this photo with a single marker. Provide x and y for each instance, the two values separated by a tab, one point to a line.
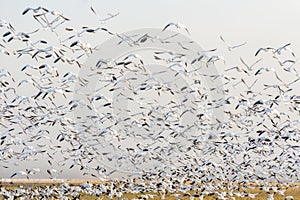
15	187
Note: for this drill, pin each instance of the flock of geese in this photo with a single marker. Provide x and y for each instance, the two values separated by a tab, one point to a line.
167	138
154	189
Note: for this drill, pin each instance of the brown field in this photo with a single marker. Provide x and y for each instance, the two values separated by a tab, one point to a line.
10	182
16	183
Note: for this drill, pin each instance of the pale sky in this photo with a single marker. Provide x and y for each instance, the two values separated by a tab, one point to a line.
259	23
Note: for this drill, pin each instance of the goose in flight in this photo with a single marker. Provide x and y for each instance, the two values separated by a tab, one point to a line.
103	20
35	10
230	48
177	25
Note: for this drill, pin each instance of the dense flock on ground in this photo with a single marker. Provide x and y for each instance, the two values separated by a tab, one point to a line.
244	130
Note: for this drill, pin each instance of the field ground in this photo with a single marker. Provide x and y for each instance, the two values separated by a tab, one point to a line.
16	183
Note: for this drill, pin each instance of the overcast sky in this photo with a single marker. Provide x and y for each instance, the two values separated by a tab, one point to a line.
259	23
